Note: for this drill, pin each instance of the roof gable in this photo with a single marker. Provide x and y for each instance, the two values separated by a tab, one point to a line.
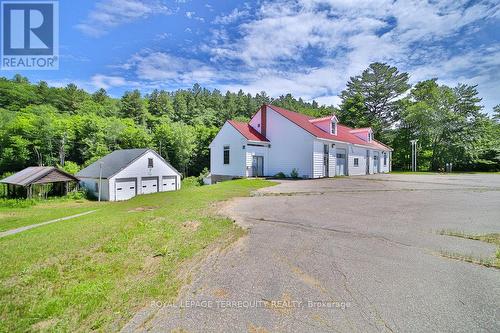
112	163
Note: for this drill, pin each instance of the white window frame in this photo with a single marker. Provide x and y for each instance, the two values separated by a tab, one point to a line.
333	125
228	148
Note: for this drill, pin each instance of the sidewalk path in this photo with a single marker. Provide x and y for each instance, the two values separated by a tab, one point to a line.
28	227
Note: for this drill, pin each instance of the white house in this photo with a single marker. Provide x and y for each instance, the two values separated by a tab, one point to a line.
278	140
123	174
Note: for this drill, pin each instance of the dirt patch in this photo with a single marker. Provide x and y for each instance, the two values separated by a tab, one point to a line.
220	293
43	325
255	329
191	225
142	209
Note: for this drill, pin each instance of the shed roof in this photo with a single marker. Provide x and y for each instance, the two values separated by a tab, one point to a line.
112	163
38	175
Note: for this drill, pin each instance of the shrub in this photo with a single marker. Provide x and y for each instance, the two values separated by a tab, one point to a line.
77	195
280	175
294	174
190	181
17	203
204	173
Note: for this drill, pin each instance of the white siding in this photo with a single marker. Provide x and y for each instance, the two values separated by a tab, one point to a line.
359	153
90	183
333	160
139	169
318	159
384	168
228	136
256	151
255	122
291	146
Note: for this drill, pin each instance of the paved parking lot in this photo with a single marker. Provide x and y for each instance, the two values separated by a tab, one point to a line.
349	254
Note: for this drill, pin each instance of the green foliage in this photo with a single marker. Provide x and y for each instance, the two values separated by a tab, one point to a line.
42	125
70	167
294	173
280	175
371	98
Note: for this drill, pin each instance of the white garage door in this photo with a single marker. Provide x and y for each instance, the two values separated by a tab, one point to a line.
125	189
149	185
168	183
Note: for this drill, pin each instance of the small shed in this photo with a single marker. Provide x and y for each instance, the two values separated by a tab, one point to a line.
39	182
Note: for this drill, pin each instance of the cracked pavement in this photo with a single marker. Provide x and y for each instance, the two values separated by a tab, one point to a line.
348	254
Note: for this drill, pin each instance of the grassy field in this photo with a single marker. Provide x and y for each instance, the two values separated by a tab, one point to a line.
95	271
11	218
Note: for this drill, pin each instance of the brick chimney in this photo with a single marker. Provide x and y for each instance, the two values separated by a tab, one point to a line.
263	119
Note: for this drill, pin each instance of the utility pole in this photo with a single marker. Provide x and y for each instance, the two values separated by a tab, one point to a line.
414	155
100	180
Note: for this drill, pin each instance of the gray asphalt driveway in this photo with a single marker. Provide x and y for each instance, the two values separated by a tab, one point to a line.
350	254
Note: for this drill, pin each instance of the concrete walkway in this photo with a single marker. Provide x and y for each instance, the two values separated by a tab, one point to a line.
28	227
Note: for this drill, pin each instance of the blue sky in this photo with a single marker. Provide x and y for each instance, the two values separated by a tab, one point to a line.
308	48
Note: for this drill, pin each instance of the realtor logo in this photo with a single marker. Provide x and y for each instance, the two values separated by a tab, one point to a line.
30	35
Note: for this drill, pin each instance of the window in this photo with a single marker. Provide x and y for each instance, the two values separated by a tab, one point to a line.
385	159
150	162
356	162
334	127
226	154
96	188
370	137
340	155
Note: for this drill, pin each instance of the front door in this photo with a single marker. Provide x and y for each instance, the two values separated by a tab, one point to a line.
367	162
326	161
375	163
258	166
341	162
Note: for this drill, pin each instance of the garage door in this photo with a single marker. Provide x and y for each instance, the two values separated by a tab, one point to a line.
341	162
168	183
125	189
149	185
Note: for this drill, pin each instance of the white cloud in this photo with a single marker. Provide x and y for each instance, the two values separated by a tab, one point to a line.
231	17
107	81
160	66
344	37
192	16
108	14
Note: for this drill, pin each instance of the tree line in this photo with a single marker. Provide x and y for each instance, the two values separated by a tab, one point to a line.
71	128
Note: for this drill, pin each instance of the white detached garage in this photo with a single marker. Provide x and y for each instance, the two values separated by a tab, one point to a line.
123	174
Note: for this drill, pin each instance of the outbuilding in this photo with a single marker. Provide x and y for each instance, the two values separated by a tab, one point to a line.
123	174
39	182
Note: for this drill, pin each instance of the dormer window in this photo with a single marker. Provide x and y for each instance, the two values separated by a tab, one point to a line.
334	127
370	136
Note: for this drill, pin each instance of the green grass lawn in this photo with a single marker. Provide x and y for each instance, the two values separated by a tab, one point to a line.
11	218
95	271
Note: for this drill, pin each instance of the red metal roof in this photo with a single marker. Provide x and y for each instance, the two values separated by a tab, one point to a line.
247	131
343	132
